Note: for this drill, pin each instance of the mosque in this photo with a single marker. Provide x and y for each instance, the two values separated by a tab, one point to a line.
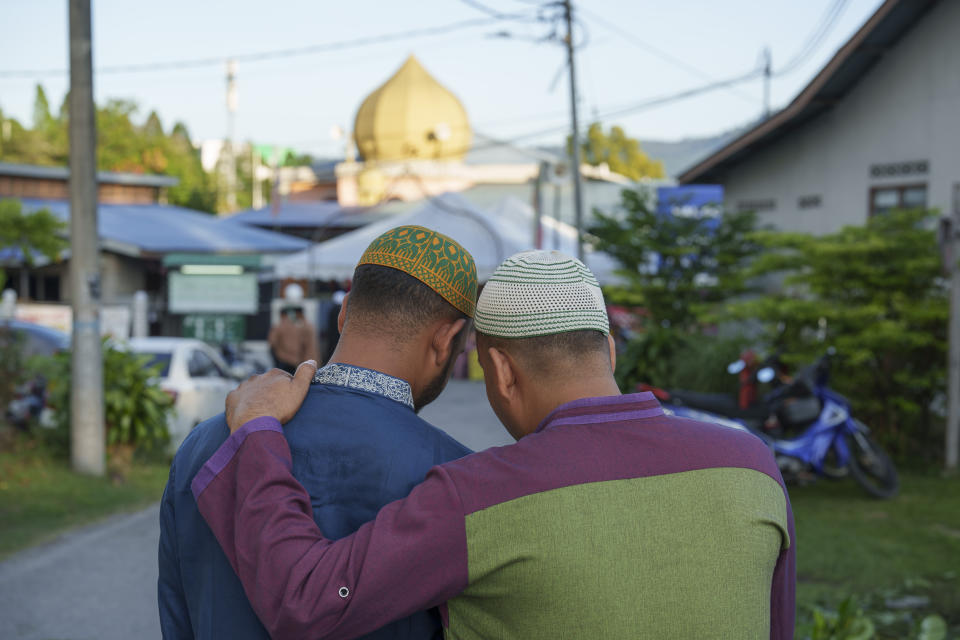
412	140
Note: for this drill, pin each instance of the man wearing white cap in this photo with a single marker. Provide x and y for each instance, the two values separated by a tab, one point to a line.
607	519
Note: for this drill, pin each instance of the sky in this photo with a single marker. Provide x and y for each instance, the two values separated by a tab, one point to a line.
510	86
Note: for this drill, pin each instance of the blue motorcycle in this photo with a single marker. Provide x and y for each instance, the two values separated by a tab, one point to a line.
807	425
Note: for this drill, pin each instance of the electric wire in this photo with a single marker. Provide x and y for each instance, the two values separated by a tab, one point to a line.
659	53
260	56
815	39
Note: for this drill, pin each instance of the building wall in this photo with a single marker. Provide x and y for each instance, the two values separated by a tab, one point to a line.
905	110
49	189
120	278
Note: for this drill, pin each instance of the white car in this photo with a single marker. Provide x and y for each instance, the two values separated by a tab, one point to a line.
194	375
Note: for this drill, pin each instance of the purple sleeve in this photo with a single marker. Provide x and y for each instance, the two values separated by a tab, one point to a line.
783	601
412	557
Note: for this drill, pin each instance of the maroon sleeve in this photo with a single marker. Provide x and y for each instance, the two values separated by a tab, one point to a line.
783	602
413	556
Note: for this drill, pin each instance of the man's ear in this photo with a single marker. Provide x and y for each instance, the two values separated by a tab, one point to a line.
613	352
342	316
445	340
504	376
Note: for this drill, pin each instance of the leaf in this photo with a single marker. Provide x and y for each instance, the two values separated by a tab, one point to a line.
933	627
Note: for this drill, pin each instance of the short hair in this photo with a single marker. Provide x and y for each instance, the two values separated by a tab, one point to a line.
394	302
546	353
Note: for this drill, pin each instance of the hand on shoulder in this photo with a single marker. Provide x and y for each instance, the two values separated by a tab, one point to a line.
275	394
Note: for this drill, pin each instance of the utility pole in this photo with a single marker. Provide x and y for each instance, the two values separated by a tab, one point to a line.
538	204
231	158
767	74
87	437
574	130
949	239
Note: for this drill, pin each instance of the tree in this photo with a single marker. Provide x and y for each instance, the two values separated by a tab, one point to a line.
39	232
677	270
876	294
196	188
619	152
122	145
41	109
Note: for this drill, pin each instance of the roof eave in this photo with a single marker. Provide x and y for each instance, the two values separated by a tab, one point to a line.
707	166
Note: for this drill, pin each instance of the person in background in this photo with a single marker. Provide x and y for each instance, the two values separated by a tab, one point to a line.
293	340
357	441
606	519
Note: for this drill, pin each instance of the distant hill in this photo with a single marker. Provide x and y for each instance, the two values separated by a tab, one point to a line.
679	155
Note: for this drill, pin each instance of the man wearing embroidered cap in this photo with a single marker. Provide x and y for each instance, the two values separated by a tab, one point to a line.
607	519
357	442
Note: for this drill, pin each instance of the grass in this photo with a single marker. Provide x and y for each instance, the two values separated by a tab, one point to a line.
850	544
40	496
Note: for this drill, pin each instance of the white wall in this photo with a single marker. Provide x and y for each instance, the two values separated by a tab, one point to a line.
906	108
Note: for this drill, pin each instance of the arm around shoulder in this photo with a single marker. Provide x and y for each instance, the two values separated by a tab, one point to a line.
412	557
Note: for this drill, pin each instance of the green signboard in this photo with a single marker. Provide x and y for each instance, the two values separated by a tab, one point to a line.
215	328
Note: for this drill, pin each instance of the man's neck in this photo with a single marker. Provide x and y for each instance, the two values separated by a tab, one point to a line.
378	355
556	395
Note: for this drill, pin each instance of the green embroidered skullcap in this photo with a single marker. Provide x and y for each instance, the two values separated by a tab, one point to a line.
539	293
432	258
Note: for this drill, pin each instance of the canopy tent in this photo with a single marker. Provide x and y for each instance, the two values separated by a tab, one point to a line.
490	235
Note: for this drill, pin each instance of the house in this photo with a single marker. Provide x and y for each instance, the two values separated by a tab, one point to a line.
877	128
138	234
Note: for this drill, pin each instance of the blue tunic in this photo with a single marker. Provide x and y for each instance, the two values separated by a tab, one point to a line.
356	445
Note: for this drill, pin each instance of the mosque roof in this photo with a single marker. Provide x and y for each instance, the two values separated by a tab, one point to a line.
411	116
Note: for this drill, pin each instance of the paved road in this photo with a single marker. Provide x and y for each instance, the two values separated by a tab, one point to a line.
99	582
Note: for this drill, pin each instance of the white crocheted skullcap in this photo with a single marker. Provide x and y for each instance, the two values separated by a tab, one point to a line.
539	293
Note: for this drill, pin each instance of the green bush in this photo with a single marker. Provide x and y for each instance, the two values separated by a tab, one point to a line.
909	610
11	366
670	359
876	294
135	408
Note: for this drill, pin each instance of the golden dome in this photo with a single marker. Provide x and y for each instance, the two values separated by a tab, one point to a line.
411	116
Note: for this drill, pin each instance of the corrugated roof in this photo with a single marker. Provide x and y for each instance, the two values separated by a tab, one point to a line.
851	62
305	215
104	177
154	229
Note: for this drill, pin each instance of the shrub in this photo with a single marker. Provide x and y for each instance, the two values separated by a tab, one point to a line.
11	366
135	408
670	359
876	294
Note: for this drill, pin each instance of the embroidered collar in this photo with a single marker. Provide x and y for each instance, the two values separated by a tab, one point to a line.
345	375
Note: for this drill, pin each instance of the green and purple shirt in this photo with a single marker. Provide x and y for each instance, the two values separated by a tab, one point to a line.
611	521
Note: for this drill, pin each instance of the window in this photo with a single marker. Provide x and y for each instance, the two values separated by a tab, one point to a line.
764	204
883	199
162	359
202	366
809	202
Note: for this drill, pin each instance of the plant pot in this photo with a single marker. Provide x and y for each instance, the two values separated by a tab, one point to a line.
120	461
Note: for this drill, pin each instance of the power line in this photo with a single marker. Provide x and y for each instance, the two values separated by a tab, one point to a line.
265	55
660	53
634	107
490	11
816	37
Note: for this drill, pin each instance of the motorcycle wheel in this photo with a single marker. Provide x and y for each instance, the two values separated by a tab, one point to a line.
871	467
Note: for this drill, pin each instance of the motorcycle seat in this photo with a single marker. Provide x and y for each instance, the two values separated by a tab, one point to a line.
719	403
